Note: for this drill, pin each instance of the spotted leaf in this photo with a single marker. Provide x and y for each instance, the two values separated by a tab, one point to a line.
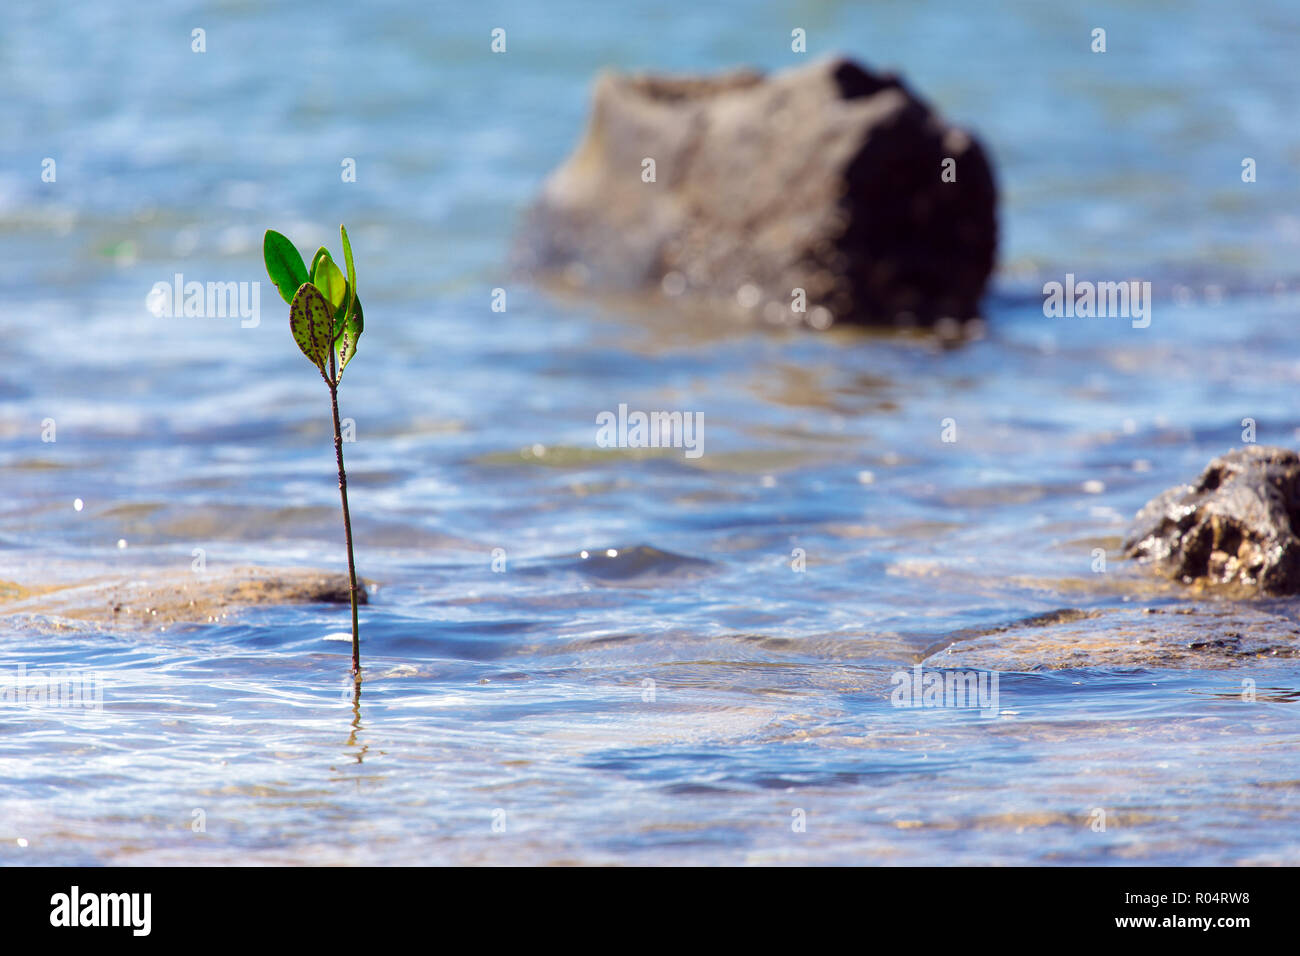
345	345
312	325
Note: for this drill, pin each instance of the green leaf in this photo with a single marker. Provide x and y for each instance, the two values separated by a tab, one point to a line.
345	345
311	324
283	264
321	253
344	311
328	277
347	258
341	320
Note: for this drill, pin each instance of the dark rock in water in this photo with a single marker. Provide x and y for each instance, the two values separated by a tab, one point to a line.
637	566
828	178
1235	525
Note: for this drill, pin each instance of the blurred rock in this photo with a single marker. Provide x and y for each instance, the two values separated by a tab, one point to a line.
825	178
1235	525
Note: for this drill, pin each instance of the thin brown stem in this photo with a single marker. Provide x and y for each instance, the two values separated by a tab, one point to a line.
347	528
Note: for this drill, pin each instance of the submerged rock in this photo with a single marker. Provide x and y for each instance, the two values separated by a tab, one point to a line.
1235	525
1202	636
154	599
828	179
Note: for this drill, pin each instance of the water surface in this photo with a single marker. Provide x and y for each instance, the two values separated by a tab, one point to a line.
681	693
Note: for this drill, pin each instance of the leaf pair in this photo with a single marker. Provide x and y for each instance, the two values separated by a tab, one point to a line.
325	313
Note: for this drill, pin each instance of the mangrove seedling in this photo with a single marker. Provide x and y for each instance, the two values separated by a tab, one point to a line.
326	320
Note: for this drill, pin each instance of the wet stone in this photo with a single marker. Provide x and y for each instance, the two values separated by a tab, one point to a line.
1234	527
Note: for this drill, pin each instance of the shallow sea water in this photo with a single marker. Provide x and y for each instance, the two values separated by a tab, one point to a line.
681	694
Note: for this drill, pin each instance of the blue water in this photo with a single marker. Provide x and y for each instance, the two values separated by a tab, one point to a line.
506	716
